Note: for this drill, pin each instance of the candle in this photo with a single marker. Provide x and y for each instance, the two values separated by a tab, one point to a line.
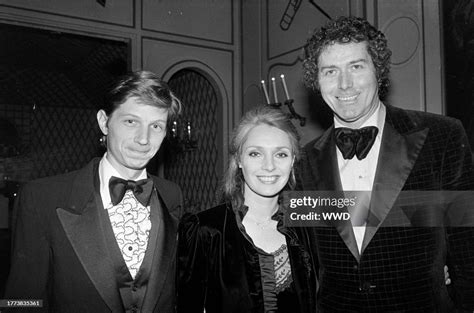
284	86
174	130
274	90
265	92
189	131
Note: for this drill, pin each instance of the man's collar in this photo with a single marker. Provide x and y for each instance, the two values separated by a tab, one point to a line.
106	170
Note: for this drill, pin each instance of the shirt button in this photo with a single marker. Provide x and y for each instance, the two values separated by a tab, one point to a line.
134	288
366	287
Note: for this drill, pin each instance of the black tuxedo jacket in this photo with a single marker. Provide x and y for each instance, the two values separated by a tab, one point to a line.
400	268
60	254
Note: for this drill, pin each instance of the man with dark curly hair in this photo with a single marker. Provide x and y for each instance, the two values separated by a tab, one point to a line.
389	256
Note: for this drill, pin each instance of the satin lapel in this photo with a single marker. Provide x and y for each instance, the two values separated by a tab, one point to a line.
329	180
398	154
164	256
81	223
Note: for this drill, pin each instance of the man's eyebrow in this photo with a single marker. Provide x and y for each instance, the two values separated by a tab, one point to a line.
132	115
327	67
321	68
127	114
358	60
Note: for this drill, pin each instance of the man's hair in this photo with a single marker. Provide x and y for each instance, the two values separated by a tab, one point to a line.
147	87
234	182
347	29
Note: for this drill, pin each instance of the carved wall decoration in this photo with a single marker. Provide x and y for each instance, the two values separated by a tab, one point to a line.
404	34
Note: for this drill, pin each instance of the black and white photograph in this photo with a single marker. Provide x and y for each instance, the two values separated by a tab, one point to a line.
237	156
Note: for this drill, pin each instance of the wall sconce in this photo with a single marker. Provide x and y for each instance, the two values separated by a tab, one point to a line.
182	136
288	102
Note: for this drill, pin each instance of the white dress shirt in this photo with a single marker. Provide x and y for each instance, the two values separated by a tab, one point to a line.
130	220
358	175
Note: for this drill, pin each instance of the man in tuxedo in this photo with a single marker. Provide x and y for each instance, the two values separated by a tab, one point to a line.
409	165
103	238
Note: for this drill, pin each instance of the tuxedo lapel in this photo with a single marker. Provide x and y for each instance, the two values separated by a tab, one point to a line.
165	251
81	222
326	171
324	164
398	154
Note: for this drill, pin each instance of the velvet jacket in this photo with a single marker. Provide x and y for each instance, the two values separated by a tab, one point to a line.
401	265
62	253
219	268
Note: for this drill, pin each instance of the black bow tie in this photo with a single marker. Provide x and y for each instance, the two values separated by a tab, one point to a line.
355	141
141	189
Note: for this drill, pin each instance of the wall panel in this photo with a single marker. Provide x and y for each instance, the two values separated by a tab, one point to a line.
412	30
206	19
120	12
160	56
